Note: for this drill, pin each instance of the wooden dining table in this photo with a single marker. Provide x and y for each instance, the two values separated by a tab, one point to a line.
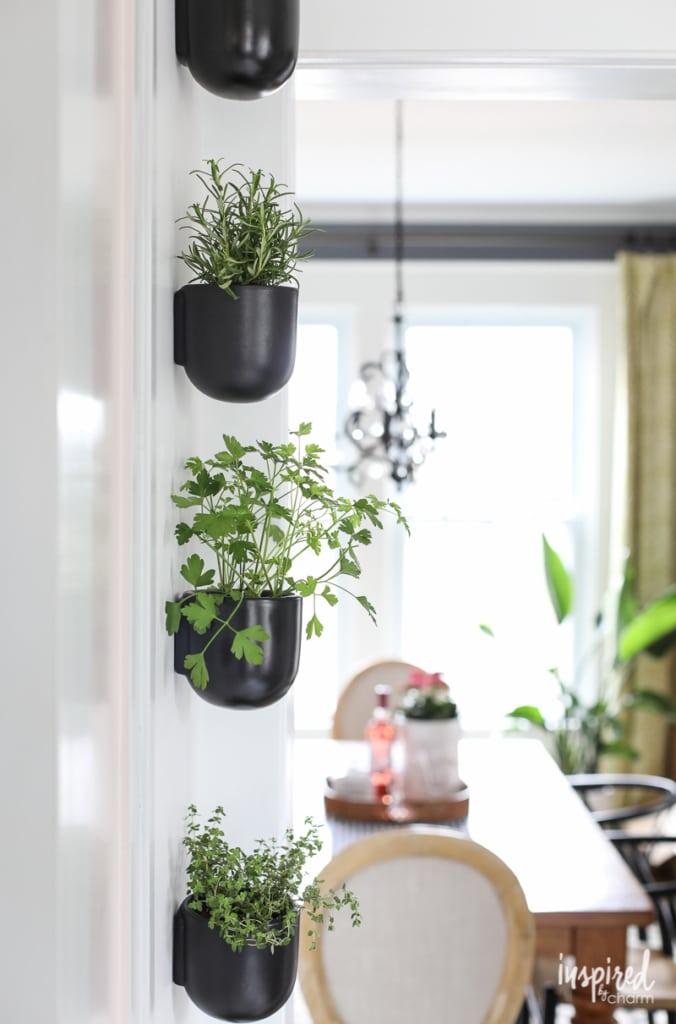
580	891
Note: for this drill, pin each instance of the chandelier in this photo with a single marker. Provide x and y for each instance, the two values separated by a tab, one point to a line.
382	429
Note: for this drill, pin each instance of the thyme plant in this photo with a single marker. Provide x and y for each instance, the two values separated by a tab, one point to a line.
258	510
242	232
254	899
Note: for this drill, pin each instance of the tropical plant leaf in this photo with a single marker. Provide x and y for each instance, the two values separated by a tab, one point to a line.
619	749
649	628
329	596
650	700
529	713
559	582
627	605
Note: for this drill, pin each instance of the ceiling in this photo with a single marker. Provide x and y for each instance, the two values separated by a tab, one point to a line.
473	159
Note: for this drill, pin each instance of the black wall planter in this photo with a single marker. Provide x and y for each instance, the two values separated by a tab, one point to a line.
236	350
245	986
238	49
236	684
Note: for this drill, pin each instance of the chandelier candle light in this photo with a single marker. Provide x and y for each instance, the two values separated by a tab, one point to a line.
382	428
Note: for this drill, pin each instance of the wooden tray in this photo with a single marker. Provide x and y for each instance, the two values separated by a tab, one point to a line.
452	808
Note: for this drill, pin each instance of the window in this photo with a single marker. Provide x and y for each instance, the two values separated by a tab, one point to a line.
313	396
504	474
519	363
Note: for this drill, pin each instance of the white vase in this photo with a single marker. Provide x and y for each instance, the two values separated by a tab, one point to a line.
430	758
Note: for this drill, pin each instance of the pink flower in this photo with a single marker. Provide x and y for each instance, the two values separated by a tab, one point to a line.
420	680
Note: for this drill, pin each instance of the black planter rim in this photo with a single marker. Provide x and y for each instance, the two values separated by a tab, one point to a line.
265	599
242	287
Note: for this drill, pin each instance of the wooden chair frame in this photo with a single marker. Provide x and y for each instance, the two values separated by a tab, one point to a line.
426	842
355	682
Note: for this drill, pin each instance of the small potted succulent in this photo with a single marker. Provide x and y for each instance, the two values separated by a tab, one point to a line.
236	934
430	732
235	323
257	511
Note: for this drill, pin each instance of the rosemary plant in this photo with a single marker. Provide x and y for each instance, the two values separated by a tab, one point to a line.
243	232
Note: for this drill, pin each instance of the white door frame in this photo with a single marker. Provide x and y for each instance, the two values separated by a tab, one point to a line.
487	76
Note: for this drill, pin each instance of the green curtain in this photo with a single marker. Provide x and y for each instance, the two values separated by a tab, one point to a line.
649	293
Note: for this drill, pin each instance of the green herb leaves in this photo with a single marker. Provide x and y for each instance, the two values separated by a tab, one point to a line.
198	670
255	899
193	571
247	644
260	511
201	612
173	616
243	231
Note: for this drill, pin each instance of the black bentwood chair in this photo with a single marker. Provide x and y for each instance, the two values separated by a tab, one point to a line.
651	796
655	795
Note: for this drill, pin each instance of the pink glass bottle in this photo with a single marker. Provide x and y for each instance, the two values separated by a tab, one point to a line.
381	733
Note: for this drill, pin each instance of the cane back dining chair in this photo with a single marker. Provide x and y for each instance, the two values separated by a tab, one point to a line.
357	699
446	936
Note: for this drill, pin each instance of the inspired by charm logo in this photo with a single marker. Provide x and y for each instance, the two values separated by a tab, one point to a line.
614	985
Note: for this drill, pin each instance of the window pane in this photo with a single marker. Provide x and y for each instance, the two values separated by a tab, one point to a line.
504	396
502	476
316	688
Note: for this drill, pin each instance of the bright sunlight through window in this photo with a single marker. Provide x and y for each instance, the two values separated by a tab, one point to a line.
504	474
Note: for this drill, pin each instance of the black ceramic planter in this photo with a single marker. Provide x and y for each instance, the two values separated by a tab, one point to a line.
238	49
236	350
249	985
237	684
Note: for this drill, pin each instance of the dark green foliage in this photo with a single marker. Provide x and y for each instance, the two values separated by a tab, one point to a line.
586	731
429	704
257	509
254	899
241	233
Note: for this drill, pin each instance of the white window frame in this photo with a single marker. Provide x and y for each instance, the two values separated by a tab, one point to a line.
582	296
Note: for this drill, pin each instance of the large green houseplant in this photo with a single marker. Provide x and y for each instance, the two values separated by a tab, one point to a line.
588	729
235	322
255	511
236	934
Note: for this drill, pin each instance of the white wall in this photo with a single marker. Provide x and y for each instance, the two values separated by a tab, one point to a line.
28	525
101	746
520	26
66	346
199	753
